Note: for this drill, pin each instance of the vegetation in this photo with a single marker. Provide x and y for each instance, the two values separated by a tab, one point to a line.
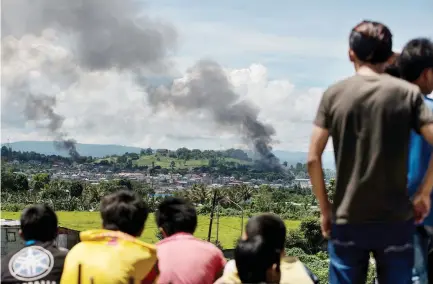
229	227
77	202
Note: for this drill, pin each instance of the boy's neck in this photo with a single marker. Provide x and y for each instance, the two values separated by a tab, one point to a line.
368	70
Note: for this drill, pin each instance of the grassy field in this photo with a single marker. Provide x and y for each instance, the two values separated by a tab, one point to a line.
164	162
229	227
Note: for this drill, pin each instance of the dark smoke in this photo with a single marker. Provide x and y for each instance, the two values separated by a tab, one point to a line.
209	89
116	35
106	33
41	107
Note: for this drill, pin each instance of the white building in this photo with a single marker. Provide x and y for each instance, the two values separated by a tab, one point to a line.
303	182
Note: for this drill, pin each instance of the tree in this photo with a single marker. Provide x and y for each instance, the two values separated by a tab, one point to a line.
125	183
40	181
76	189
330	189
285	164
310	228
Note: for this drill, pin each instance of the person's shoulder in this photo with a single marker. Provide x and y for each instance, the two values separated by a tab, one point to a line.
399	84
339	87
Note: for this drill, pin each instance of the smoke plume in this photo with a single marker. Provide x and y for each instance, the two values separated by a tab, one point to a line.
115	35
105	34
208	88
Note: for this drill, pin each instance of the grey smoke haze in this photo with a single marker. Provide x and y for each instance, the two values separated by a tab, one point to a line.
209	89
117	35
106	33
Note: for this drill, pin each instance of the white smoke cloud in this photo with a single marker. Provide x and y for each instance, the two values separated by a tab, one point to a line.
108	107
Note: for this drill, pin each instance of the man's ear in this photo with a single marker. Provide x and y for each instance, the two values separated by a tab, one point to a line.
20	233
162	232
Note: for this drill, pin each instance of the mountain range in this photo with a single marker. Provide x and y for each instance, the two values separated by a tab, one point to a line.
101	150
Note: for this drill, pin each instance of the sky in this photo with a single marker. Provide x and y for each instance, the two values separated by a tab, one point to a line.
280	57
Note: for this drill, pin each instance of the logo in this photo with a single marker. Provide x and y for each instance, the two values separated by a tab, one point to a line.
31	263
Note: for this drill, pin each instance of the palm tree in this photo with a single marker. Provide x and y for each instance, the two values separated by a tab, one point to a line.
199	194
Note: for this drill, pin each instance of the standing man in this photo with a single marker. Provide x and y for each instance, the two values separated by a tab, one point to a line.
416	66
369	117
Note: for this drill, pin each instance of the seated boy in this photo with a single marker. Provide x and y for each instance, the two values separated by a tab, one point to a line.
114	254
40	260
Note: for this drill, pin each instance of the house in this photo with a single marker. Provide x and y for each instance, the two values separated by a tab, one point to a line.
10	239
302	183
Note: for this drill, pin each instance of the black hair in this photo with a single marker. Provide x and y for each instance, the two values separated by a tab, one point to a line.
175	215
371	42
254	257
270	227
417	55
39	223
393	70
124	211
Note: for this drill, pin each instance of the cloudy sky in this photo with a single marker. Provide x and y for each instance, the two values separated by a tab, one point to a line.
280	57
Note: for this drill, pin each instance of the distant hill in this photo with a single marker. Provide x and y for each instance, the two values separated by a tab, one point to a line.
94	150
101	150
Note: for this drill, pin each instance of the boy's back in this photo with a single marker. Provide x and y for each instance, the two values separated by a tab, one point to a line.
186	259
370	119
110	257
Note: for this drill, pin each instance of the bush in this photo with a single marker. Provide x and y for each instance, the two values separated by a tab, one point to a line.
13	207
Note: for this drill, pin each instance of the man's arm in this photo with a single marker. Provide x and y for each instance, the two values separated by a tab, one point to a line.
319	139
427	184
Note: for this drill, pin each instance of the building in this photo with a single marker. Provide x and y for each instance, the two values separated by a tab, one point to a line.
11	241
302	183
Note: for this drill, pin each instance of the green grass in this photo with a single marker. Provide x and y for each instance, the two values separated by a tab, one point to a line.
164	161
229	227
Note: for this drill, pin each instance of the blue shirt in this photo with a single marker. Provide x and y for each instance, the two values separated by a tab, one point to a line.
419	157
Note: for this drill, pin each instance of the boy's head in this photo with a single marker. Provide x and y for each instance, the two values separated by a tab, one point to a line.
370	43
124	211
38	223
268	226
416	63
176	215
257	261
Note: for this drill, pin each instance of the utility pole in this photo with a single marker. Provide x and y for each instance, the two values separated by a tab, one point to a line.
218	223
211	215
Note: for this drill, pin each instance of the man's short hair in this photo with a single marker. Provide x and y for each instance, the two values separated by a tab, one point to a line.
39	223
175	215
270	227
417	55
254	257
371	42
124	211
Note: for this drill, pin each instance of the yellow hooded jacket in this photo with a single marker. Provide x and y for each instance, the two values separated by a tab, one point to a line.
292	272
105	256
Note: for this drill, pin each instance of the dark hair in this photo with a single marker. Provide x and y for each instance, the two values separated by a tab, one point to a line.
176	215
124	211
393	70
39	223
371	42
417	55
270	227
254	257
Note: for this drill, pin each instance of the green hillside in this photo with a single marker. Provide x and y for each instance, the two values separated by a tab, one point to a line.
165	162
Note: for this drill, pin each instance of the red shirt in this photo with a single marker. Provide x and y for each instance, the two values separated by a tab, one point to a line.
184	259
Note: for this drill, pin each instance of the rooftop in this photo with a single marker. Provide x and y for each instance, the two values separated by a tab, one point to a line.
9	223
